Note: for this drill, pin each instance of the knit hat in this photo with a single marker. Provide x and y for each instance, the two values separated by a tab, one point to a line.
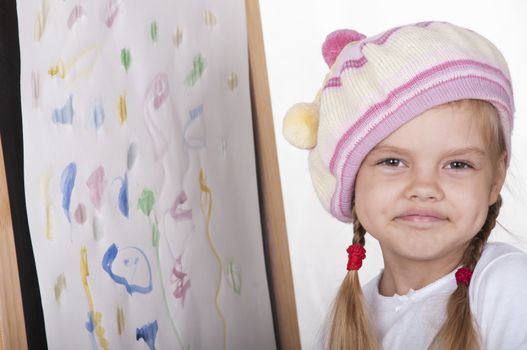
375	85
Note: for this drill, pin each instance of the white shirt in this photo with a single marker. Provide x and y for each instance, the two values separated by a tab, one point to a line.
497	296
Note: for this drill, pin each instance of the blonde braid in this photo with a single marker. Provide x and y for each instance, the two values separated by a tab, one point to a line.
350	328
459	332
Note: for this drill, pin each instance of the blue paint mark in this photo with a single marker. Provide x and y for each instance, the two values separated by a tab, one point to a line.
67	181
123	196
148	333
196	112
64	115
107	262
193	131
97	116
90	326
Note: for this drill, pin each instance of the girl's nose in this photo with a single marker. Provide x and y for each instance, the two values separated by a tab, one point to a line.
424	185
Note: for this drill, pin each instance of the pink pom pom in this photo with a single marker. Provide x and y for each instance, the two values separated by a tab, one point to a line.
336	41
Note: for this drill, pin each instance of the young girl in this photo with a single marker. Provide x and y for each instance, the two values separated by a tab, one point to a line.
410	139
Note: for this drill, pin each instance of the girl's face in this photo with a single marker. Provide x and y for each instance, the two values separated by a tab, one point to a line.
424	191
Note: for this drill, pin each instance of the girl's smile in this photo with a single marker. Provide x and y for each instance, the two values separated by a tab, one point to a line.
418	217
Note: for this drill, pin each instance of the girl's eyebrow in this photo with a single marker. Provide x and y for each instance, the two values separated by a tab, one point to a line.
467	150
388	148
452	152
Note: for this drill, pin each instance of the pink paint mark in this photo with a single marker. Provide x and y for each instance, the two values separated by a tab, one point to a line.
158	89
96	183
80	214
180	214
179	278
76	13
114	7
156	95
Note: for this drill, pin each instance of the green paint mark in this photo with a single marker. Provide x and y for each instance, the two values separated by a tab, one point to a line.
153	31
146	202
155	235
234	277
198	67
126	58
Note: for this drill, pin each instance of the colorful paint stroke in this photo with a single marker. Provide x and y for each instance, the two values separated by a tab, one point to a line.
148	333
67	181
198	67
123	196
180	281
156	95
64	115
96	184
94	323
206	209
131	260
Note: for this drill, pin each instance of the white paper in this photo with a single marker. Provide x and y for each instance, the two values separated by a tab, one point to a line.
140	177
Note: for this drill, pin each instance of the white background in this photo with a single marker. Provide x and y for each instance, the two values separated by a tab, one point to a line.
293	32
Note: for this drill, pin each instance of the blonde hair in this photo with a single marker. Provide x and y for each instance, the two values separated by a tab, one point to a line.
350	327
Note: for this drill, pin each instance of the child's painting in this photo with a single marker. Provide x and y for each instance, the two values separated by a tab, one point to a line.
140	177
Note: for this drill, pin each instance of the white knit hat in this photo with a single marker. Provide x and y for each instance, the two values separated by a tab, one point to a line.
377	84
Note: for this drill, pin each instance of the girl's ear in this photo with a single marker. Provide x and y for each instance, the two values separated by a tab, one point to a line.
499	178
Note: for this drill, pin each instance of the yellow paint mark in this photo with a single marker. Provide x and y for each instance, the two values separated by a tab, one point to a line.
177	38
40	21
206	209
97	316
210	18
58	70
120	320
232	81
79	65
60	285
48	206
123	115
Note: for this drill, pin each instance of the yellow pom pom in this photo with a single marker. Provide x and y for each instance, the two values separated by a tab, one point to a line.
300	125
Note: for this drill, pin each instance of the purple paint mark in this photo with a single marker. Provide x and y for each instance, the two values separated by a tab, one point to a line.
67	181
114	7
180	214
180	279
76	13
35	87
148	333
132	258
96	183
123	196
64	115
80	214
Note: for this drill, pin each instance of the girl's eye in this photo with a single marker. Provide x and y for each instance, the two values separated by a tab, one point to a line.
457	164
391	162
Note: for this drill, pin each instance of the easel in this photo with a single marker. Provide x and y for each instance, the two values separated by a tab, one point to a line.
12	323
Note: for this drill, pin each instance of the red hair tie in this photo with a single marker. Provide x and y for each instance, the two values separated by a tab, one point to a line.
463	275
356	253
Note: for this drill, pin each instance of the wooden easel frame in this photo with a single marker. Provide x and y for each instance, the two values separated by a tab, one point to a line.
12	324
